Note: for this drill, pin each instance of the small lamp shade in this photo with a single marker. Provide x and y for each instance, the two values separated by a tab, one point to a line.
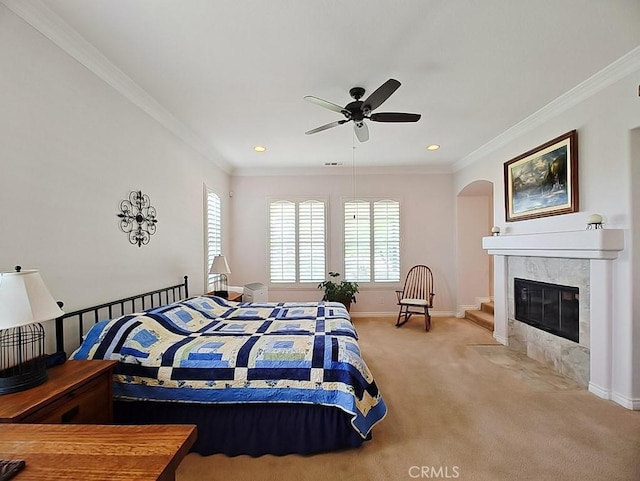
220	268
219	265
24	299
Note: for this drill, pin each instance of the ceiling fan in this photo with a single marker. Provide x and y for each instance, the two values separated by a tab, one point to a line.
359	110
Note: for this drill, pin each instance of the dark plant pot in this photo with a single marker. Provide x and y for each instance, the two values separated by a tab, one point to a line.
346	302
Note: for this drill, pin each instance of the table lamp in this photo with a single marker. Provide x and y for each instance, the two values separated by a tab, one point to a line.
220	268
25	301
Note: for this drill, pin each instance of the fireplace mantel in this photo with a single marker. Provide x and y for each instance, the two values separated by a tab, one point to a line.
582	244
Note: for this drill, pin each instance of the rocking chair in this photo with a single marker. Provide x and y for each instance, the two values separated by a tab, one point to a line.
417	295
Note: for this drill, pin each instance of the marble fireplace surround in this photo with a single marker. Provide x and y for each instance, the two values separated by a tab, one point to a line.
601	248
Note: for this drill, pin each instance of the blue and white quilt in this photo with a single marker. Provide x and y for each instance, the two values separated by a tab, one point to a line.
208	350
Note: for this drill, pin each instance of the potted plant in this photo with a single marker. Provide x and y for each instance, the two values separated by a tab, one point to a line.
344	292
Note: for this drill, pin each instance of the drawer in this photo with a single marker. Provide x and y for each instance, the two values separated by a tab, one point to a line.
89	404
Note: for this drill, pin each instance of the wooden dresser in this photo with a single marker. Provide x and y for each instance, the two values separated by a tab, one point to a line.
78	392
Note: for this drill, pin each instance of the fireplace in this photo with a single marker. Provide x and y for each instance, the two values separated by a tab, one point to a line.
583	258
548	315
551	307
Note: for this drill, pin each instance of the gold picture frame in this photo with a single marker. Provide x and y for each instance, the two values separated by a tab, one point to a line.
543	181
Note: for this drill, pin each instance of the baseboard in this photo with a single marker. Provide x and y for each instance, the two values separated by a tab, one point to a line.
461	310
394	314
501	339
625	402
599	391
355	315
442	313
472	307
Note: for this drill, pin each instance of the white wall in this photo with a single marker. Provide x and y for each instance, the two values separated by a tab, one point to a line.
427	230
71	148
604	122
635	252
473	223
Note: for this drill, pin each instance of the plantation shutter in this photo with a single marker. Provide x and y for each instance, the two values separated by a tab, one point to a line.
357	241
311	241
386	240
214	237
282	241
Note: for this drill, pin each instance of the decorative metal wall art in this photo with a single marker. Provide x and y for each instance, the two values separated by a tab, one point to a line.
138	218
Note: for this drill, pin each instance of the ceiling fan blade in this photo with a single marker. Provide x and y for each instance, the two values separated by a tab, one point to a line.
324	103
383	92
362	131
394	117
325	127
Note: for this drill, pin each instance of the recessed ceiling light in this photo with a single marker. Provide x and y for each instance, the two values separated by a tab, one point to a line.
260	148
433	147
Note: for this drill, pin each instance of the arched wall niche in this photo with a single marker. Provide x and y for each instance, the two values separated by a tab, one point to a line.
474	219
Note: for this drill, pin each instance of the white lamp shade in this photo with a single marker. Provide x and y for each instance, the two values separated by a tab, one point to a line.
594	219
24	299
220	266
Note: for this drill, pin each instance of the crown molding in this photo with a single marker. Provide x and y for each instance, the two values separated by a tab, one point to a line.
614	72
45	21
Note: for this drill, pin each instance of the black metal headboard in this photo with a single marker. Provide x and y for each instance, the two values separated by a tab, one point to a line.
112	309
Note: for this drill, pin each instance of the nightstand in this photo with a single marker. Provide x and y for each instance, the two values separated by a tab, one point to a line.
233	296
78	392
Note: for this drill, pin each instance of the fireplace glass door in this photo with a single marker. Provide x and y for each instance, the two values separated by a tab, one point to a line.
550	307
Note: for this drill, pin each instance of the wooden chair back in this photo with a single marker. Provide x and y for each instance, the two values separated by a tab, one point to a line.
419	284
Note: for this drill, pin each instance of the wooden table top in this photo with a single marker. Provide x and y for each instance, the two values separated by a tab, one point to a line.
96	452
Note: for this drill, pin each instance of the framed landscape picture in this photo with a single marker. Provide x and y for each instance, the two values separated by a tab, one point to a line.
543	181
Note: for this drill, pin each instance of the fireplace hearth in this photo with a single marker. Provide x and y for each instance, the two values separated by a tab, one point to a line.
551	307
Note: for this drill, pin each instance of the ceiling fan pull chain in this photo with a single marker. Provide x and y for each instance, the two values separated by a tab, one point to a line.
353	167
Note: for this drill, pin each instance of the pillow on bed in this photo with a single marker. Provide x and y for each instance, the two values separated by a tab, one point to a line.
217	299
88	340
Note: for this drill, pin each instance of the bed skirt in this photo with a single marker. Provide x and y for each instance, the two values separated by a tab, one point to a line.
251	429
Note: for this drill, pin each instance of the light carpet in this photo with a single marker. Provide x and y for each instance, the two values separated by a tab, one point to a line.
459	408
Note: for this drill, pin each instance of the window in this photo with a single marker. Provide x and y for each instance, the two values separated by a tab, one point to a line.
282	241
372	241
214	234
386	241
297	241
357	241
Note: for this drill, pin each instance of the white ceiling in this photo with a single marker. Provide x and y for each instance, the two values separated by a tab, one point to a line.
234	73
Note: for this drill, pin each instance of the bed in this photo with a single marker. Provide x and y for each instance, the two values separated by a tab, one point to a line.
256	378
